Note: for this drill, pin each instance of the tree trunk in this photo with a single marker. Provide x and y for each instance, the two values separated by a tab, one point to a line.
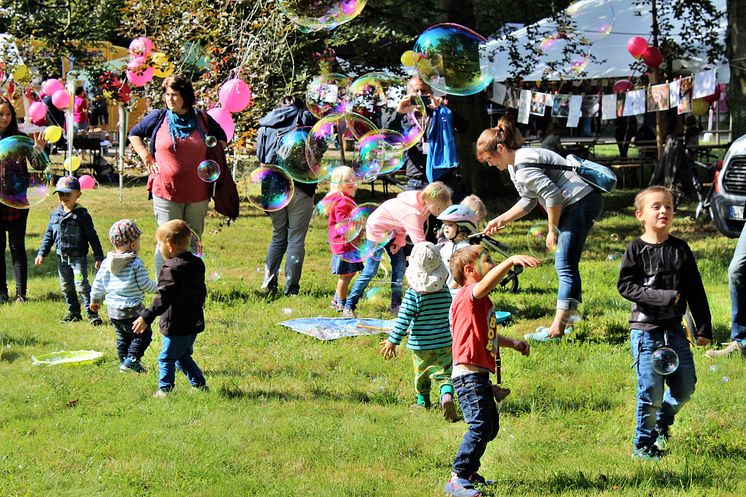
735	44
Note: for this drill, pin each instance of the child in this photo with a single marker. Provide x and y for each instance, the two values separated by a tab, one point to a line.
124	280
180	302
71	231
399	217
458	223
340	204
475	356
660	276
424	315
475	204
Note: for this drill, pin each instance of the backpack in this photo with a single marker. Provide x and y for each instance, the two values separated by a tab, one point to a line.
269	139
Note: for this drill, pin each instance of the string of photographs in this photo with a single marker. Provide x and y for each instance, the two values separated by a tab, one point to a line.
677	94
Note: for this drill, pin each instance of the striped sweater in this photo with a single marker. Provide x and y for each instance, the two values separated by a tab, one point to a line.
424	316
124	280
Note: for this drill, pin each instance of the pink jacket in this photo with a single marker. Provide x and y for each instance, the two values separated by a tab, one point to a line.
340	207
402	216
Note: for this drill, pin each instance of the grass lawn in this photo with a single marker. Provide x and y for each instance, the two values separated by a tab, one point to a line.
288	415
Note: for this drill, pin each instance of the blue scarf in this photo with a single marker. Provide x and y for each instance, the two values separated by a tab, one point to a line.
182	126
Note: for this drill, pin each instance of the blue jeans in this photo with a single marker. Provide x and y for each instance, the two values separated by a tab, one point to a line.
130	344
176	352
481	417
73	273
737	284
575	222
398	264
655	404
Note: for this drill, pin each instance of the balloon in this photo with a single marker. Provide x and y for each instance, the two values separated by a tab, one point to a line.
53	134
37	111
409	58
161	65
714	97
622	86
61	99
71	165
137	64
141	46
87	182
234	95
50	86
20	72
224	119
700	106
140	78
636	46
653	57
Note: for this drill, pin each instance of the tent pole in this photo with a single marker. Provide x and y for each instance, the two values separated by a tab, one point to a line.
122	146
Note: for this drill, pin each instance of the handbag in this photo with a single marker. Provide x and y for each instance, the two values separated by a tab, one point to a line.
597	175
224	191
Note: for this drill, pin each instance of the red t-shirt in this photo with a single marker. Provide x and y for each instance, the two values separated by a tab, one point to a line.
177	178
470	327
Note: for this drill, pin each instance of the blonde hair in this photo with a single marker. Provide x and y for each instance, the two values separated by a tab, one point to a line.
340	175
640	197
462	257
505	134
176	232
475	203
437	194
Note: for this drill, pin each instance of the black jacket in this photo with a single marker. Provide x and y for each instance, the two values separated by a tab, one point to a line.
180	296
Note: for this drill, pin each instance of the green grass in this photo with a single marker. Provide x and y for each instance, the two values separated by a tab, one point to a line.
288	415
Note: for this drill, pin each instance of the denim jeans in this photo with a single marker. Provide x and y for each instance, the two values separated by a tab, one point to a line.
737	284
398	265
176	352
289	228
73	273
655	404
575	222
130	344
481	417
192	213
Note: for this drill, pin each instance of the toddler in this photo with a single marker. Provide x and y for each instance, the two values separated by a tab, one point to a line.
475	204
458	223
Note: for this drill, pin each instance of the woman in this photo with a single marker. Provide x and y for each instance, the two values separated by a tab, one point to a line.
571	205
13	220
177	145
80	111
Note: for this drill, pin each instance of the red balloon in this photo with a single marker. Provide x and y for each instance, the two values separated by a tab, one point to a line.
636	46
622	86
653	57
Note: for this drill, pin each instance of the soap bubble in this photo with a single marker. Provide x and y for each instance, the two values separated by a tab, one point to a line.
211	141
713	367
614	256
326	94
195	245
593	19
614	237
208	171
536	238
725	379
315	15
379	152
22	186
374	96
453	59
323	208
269	188
213	269
665	360
572	316
287	310
291	157
324	141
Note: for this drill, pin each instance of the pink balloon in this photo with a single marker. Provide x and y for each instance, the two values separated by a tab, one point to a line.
137	64
235	95
224	119
37	111
636	46
51	86
653	57
87	182
141	46
61	99
622	85
140	78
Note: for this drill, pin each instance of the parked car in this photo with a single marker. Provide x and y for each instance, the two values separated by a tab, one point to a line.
729	197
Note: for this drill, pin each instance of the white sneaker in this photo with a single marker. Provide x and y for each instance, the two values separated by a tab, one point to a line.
732	348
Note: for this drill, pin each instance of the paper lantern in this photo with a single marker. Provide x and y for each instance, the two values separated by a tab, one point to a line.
636	46
700	106
653	57
235	95
224	119
87	182
622	86
61	99
37	111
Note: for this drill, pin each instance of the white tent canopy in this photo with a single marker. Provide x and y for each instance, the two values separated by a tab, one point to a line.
625	20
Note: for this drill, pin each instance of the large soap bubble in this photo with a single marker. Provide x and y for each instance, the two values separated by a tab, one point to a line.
20	186
536	240
326	94
453	59
326	139
375	96
291	157
315	15
269	188
379	152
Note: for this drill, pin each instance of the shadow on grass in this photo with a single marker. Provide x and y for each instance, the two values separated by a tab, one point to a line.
8	356
542	400
22	341
233	391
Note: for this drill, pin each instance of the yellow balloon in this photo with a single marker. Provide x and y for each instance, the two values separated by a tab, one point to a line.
72	165
409	58
163	71
20	72
700	107
53	134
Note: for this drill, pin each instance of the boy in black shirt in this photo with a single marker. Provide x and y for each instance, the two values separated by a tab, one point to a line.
660	276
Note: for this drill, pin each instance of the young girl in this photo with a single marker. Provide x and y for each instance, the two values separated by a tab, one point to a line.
475	204
401	216
458	223
340	205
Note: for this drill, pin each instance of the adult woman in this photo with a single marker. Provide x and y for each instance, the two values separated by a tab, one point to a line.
13	220
571	205
178	143
80	111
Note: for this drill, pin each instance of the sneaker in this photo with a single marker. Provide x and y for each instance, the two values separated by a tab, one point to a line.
664	434
95	320
500	393
542	335
348	313
161	394
649	453
732	348
461	487
480	480
71	318
449	408
132	364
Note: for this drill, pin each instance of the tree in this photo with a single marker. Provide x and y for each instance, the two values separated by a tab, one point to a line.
736	47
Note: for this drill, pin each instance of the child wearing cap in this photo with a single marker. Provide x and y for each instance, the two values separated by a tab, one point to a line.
71	231
124	280
424	316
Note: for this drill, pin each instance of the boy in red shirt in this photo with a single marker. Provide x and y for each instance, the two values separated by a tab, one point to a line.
475	350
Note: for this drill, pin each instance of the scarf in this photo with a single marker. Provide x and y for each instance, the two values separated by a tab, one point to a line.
180	127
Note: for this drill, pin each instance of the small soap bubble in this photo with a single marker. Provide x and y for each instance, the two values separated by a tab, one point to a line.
258	269
195	245
208	171
726	379
713	367
211	141
287	310
614	237
614	257
294	259
665	360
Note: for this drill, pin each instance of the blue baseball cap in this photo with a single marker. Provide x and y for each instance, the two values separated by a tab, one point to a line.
67	184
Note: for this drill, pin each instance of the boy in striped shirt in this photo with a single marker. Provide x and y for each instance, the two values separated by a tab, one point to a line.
124	280
424	316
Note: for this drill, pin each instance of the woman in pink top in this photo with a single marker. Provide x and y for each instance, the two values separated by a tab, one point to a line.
80	110
178	143
387	228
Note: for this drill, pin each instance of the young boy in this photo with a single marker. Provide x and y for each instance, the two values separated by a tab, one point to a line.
124	280
475	352
458	223
660	276
71	231
424	315
180	302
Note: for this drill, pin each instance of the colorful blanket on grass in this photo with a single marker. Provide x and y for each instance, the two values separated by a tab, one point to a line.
333	328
